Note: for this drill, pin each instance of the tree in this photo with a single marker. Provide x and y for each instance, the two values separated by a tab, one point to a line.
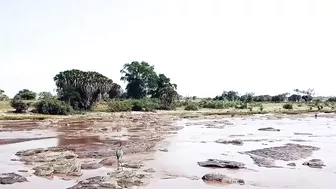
141	78
26	94
168	97
163	85
280	97
295	98
82	90
307	95
2	95
248	97
115	92
45	95
19	105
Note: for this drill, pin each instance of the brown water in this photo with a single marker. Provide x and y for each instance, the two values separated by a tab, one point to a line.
186	149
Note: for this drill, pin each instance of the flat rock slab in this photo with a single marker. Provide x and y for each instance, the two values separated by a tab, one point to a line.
91	165
61	166
221	164
263	162
268	129
237	142
114	180
309	134
217	177
11	178
289	152
314	163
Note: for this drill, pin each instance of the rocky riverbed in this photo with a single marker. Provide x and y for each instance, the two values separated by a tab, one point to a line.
161	151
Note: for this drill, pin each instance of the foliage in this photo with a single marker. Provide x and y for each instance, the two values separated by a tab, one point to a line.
191	107
45	95
132	105
331	99
119	105
280	97
295	98
248	97
261	107
168	97
3	96
52	106
26	94
262	98
228	95
19	105
288	106
141	78
307	95
115	92
82	90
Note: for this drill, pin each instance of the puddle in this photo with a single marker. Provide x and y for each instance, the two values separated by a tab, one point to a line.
187	148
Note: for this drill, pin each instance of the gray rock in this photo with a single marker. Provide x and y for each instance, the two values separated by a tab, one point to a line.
291	164
268	129
62	166
91	166
11	178
217	177
309	134
263	162
108	161
289	152
221	164
114	180
314	163
234	142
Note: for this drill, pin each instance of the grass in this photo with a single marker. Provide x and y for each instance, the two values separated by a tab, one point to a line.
253	108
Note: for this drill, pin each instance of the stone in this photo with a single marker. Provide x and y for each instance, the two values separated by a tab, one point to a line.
291	164
11	178
221	164
314	163
238	142
268	129
217	177
91	165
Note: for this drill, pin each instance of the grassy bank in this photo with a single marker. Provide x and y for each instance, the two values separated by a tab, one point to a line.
250	109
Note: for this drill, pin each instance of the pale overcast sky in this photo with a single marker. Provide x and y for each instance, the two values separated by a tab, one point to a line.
205	46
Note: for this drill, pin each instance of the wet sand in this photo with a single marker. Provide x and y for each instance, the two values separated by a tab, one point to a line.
178	168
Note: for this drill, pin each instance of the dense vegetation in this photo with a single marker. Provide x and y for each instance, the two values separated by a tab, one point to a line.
145	90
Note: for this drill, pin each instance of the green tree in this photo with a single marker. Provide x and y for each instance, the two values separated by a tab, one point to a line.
2	95
115	92
45	95
163	85
141	78
26	94
19	105
82	89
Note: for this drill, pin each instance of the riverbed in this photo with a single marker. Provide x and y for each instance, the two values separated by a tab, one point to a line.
176	166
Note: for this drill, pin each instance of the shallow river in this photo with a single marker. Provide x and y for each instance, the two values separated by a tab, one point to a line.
197	143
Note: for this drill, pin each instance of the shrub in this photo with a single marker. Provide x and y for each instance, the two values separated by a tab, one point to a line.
211	104
144	105
119	105
288	106
19	105
191	107
52	106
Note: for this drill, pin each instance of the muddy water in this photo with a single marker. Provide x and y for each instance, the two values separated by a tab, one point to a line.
196	143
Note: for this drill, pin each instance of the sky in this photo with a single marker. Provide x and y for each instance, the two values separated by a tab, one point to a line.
204	46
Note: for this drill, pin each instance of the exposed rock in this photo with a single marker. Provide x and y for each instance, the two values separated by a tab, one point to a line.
217	177
108	161
11	178
314	163
221	164
303	134
63	166
268	129
236	135
39	155
163	150
150	170
91	166
234	142
114	180
291	164
289	152
263	162
132	166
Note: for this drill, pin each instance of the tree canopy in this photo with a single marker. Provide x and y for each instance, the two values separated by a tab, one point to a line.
82	89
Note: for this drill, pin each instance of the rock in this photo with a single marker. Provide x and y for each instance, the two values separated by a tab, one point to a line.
314	163
46	156
234	142
114	180
163	150
217	177
22	171
132	166
150	170
222	164
268	129
289	152
263	162
63	166
11	178
91	166
291	164
303	134
108	161
236	135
